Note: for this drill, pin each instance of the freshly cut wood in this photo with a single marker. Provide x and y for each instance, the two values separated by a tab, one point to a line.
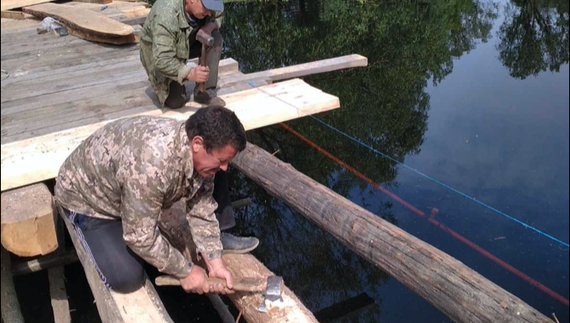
141	306
86	24
174	226
455	289
28	227
13	4
256	108
12	14
283	73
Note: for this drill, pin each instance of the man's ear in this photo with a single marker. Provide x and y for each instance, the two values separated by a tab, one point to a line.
197	143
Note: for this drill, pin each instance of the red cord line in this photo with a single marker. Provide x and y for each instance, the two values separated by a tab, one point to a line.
433	221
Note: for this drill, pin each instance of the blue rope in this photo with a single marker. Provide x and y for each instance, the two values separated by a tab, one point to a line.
360	142
441	183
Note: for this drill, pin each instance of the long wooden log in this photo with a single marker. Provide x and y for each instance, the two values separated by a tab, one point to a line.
455	289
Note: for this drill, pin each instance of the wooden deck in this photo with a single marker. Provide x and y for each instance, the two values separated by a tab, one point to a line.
58	90
62	83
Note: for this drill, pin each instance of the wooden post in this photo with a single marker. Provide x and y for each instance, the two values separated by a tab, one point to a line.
10	305
449	285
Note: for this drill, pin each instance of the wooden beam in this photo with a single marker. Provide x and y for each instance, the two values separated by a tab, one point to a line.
58	293
140	306
86	24
10	304
28	227
12	14
284	73
14	4
288	100
455	289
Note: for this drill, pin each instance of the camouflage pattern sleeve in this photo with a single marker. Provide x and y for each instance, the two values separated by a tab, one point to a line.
203	223
141	203
164	48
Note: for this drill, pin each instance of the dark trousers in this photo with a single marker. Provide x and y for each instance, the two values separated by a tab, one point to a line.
118	266
177	92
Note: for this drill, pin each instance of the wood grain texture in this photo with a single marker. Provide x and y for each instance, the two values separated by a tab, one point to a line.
86	24
288	100
174	225
13	4
28	227
140	306
455	289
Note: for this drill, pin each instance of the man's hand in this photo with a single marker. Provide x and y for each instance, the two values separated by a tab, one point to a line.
217	269
195	282
199	74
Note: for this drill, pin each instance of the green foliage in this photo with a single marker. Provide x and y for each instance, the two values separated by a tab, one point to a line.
534	37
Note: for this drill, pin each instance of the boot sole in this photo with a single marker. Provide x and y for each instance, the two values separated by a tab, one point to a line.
241	251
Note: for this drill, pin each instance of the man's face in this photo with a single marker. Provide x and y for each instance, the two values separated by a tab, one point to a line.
208	164
196	8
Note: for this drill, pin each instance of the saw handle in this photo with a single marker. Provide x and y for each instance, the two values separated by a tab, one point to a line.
243	285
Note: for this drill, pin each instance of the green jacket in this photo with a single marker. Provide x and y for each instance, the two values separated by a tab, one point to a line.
165	44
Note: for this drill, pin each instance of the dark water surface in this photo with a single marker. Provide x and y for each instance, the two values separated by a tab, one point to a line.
473	94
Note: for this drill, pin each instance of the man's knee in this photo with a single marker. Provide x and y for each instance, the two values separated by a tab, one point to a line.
126	283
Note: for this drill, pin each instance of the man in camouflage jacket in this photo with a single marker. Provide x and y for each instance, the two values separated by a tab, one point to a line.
168	40
117	182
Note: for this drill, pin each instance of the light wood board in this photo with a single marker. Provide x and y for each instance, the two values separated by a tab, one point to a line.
86	24
39	158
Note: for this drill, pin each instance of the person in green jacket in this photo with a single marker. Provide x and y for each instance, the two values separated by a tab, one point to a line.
168	41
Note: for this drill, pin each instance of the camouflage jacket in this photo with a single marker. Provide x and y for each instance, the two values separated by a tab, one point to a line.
132	169
165	44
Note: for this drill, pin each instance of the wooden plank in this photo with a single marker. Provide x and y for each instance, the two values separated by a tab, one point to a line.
58	293
141	306
95	1
455	289
10	304
86	24
288	100
13	4
12	14
322	66
28	227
